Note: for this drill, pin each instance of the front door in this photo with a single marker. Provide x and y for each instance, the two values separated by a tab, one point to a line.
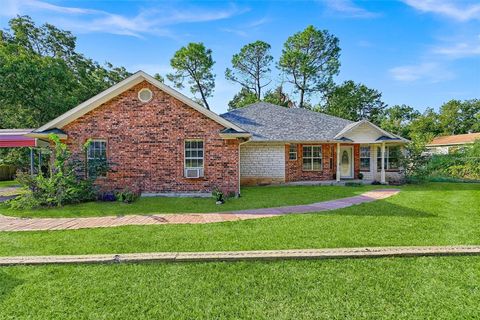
346	162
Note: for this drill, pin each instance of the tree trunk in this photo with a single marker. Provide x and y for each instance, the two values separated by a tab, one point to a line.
204	99
302	93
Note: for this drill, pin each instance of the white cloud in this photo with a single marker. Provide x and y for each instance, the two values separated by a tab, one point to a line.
348	8
147	21
428	71
458	10
460	50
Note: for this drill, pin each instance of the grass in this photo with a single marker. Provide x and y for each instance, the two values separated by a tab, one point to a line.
427	214
397	288
10	183
252	197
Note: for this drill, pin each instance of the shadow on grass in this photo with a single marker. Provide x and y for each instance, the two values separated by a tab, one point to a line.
7	284
379	208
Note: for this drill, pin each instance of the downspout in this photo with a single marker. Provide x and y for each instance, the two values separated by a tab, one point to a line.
239	178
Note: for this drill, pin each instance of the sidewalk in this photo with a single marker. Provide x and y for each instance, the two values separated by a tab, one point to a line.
40	224
296	254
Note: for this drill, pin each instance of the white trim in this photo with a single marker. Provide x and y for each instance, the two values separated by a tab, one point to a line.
139	95
352	126
122	86
312	157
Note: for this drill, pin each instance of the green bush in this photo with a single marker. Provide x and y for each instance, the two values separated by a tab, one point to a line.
126	196
61	187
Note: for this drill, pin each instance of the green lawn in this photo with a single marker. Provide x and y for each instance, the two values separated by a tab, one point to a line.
397	288
252	197
10	183
429	214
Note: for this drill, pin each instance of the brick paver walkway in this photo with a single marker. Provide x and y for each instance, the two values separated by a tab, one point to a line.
38	224
297	254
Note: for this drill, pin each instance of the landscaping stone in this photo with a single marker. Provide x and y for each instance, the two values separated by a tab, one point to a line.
296	254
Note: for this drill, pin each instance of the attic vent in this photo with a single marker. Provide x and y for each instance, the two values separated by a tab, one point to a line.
145	95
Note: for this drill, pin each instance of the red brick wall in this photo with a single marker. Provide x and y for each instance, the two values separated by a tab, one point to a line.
145	144
294	170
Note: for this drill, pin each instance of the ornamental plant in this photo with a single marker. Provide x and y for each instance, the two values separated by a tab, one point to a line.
62	186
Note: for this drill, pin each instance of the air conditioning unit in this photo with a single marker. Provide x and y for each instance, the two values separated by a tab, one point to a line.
193	173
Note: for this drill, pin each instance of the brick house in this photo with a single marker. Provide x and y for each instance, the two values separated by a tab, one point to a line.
159	142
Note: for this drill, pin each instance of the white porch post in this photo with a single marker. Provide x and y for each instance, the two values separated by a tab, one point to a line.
338	162
382	173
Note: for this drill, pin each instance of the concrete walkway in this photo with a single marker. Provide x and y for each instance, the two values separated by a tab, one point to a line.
38	224
296	254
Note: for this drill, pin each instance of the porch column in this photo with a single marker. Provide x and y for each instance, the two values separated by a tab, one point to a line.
382	173
338	162
32	162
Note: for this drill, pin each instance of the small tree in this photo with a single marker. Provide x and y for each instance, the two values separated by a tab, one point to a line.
251	66
194	64
415	160
310	59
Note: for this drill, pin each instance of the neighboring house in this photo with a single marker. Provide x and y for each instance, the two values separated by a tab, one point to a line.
449	144
157	141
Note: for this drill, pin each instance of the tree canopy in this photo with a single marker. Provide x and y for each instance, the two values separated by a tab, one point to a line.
310	59
42	75
251	67
194	64
354	101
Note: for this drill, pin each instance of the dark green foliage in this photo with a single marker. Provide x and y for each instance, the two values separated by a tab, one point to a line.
42	76
218	195
354	101
126	196
242	99
278	97
194	64
457	117
464	164
251	67
415	161
61	187
310	59
397	119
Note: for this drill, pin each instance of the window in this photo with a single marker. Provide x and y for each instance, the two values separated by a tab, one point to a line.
193	158
145	95
292	154
365	158
312	158
392	158
97	158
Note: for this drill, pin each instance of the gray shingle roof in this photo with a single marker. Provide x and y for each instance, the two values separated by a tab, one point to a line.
268	122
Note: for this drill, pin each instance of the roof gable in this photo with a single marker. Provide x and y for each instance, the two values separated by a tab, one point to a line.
121	87
364	131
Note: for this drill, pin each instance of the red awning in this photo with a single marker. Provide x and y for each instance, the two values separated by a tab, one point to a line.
14	138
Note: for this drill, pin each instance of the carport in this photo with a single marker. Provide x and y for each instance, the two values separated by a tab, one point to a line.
15	138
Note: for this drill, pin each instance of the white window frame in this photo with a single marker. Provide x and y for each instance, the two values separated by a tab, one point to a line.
295	152
312	158
90	158
363	157
185	158
387	157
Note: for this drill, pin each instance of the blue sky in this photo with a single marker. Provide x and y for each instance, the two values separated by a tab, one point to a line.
416	52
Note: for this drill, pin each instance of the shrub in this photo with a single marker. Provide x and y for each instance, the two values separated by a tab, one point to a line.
218	195
126	196
61	187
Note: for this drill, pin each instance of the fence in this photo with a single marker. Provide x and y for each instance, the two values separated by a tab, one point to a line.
7	172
